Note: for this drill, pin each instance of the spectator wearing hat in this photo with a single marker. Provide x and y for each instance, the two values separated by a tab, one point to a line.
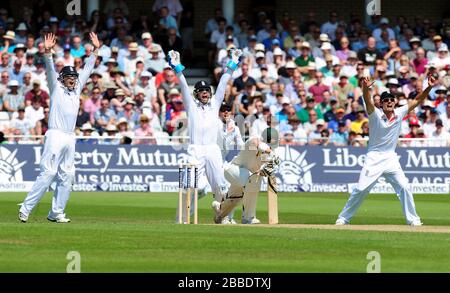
304	59
68	59
37	93
155	62
144	130
88	131
393	85
440	136
413	128
384	27
122	127
21	36
414	45
147	45
129	112
277	56
340	136
13	100
442	60
104	116
339	117
111	132
317	50
438	96
343	89
321	60
19	53
23	124
300	136
314	130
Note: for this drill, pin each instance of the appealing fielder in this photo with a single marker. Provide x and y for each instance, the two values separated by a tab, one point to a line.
245	173
381	159
57	162
202	111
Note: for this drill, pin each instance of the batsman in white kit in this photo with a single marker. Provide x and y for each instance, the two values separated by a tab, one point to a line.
381	159
57	162
202	111
245	172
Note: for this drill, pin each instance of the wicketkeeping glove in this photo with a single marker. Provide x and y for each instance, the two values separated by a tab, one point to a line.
274	158
235	59
174	61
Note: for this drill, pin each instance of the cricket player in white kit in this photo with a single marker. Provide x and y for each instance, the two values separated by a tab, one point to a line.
202	111
230	138
57	162
245	172
381	159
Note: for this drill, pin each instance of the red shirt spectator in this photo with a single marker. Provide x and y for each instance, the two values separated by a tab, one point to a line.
36	92
318	88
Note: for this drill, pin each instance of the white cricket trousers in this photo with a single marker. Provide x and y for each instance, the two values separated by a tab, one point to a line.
57	163
208	159
384	164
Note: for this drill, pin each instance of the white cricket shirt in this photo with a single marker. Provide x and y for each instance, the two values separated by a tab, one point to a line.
203	118
384	132
64	103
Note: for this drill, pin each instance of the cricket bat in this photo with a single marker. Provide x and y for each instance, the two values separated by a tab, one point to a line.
272	200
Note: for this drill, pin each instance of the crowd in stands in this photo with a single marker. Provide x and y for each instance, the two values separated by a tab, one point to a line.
298	75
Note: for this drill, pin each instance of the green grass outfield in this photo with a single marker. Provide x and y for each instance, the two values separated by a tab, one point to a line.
134	232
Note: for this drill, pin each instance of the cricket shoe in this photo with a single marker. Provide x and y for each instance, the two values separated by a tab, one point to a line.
22	217
61	218
251	221
341	222
417	223
216	207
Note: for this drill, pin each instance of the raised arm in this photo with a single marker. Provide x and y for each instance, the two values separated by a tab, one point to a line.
232	65
421	97
90	62
175	63
52	75
366	84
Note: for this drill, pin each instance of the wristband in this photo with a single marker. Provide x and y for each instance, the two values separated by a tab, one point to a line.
178	68
232	65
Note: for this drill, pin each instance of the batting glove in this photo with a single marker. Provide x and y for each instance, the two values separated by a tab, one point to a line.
174	61
274	158
235	59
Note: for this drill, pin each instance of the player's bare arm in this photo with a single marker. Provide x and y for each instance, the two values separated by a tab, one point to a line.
367	82
432	81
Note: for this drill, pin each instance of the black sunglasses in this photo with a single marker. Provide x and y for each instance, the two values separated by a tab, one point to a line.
389	100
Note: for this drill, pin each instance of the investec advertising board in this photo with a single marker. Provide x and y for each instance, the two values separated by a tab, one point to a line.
155	168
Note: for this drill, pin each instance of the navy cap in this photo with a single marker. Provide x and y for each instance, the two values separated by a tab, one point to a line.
252	38
66	47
